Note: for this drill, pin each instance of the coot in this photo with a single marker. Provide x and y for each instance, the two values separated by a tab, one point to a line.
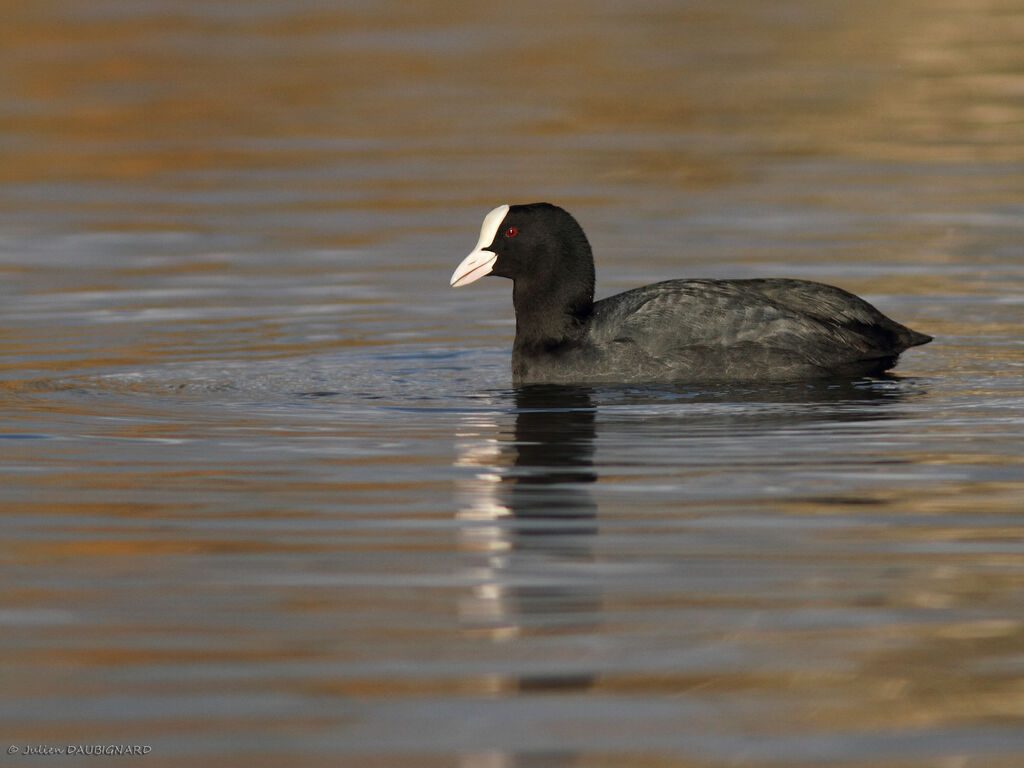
686	331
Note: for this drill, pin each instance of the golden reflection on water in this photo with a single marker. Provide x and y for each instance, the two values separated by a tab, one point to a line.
145	96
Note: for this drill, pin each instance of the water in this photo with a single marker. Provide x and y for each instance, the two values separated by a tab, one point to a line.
269	497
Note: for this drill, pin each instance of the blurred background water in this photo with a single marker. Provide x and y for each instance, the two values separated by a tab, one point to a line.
269	498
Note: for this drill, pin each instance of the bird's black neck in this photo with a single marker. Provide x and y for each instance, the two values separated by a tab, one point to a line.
554	298
547	318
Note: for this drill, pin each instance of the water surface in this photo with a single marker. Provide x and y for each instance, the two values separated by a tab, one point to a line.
269	497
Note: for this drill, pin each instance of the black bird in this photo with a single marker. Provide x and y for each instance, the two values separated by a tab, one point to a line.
686	331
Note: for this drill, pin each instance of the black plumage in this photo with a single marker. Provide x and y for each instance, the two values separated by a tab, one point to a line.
687	331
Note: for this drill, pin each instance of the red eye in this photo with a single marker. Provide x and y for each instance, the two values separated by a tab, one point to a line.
511	232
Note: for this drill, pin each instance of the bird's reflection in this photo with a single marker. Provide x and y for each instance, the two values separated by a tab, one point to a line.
552	458
530	515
